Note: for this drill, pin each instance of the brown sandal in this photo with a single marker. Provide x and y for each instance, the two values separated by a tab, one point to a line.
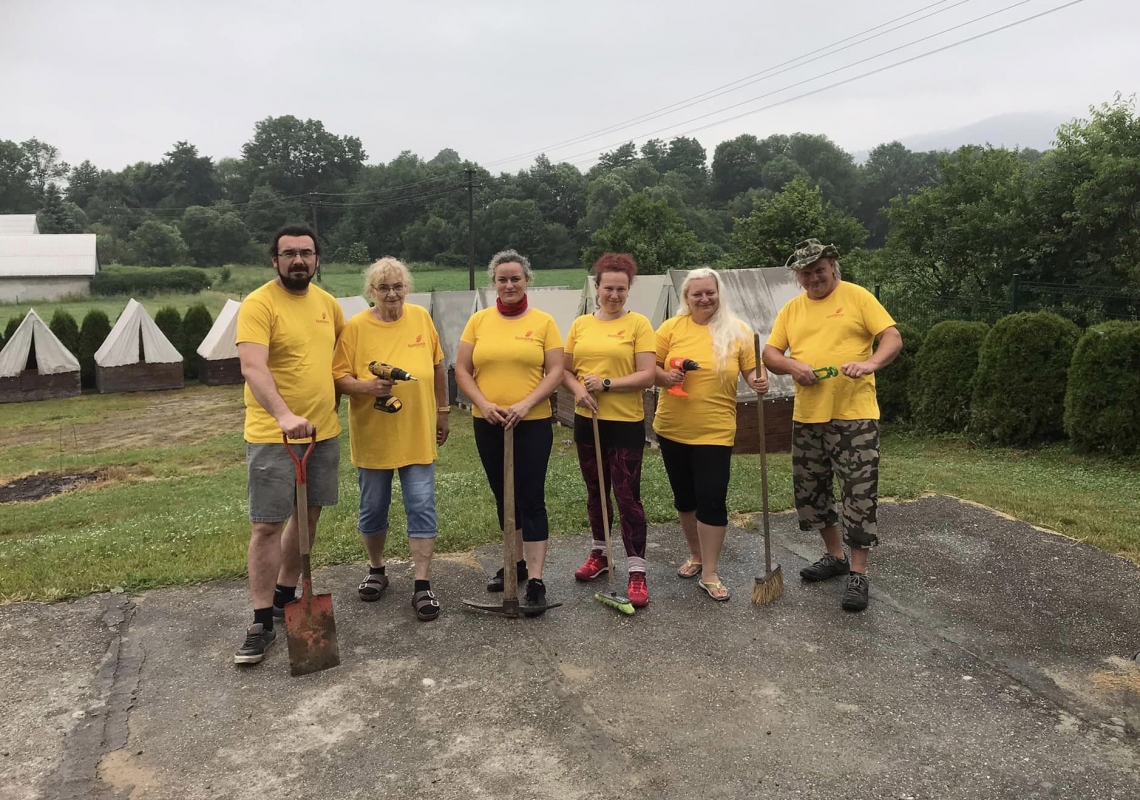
372	587
425	605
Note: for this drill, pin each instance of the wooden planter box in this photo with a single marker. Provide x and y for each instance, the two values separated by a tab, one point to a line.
777	426
138	378
30	385
220	372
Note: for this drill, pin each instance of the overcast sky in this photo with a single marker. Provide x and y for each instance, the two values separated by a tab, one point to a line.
118	82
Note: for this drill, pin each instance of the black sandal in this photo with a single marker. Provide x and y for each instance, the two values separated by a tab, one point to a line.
372	587
425	605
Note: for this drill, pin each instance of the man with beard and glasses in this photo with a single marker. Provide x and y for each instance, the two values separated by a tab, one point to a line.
286	337
828	334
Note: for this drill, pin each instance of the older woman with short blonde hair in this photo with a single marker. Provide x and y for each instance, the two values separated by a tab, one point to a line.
405	440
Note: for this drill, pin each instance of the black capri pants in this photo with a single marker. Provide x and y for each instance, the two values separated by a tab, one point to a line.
698	475
533	441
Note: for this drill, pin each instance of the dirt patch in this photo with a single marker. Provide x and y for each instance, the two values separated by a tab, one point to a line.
44	484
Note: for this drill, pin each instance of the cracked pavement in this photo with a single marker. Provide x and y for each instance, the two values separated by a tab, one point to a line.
994	661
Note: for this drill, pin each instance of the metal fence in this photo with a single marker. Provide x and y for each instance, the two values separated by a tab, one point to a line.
1083	304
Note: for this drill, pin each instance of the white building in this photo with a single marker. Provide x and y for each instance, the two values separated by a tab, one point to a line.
35	266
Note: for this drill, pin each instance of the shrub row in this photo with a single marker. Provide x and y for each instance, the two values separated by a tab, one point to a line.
149	280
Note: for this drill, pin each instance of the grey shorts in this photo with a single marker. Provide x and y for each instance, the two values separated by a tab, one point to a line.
273	478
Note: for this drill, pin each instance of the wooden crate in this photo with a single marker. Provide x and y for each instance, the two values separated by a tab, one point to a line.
140	377
30	385
220	371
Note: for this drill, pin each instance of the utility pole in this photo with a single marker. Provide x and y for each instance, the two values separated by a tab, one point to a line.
316	229
470	228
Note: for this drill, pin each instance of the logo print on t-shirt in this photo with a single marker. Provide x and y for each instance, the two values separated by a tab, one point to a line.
419	342
838	313
420	338
324	318
617	335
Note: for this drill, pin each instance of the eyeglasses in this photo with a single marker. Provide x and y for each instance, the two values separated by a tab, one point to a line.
384	288
292	254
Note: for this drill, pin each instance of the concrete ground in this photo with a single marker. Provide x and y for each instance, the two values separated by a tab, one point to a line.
990	664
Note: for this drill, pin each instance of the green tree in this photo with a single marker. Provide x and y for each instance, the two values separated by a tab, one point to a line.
624	156
195	325
737	166
767	236
1102	402
890	171
558	189
297	157
942	385
13	323
58	215
213	238
17	194
652	232
190	178
66	329
169	321
603	196
155	244
517	224
44	164
82	183
968	234
94	331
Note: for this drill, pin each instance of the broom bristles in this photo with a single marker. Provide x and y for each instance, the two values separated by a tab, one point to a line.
768	589
614	600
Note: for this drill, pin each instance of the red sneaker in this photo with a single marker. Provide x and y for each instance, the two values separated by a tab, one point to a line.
594	567
638	592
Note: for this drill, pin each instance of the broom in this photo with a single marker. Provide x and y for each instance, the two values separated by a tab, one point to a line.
770	585
610	598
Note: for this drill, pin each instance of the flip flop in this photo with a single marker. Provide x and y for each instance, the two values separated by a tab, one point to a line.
715	586
690	569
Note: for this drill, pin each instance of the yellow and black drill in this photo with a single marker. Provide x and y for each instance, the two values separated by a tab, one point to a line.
389	373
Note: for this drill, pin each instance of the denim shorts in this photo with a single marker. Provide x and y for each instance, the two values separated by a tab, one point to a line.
417	484
273	478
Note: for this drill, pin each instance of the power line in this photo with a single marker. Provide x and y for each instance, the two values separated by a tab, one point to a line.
833	71
748	80
860	76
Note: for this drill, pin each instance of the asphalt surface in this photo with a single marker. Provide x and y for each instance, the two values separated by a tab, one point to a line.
993	662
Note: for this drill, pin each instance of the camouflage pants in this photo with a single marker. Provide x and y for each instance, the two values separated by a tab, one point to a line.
849	451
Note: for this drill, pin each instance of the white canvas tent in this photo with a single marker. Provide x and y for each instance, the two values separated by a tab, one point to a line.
450	312
136	356
218	351
351	306
35	365
421	299
18	225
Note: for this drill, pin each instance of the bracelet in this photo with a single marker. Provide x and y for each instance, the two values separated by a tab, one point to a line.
443	410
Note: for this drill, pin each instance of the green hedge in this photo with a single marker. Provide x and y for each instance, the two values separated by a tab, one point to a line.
1102	404
13	323
942	383
195	325
1023	367
149	280
66	329
891	381
169	321
94	331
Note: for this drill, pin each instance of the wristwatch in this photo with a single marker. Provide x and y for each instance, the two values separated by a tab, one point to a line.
605	384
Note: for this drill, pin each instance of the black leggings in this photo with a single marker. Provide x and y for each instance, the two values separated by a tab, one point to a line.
698	475
533	441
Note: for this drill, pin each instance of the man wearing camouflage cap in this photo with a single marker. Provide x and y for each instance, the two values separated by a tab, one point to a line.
828	333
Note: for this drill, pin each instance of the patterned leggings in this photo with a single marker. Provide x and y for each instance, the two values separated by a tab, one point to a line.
622	469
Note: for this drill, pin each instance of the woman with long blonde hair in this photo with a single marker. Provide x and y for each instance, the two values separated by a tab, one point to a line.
696	428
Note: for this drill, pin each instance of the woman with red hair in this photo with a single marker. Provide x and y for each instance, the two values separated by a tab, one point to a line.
609	360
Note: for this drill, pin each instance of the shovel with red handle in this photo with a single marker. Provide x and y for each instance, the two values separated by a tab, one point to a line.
309	622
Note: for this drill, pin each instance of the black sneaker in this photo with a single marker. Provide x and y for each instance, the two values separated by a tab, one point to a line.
826	568
535	593
855	598
496	583
257	641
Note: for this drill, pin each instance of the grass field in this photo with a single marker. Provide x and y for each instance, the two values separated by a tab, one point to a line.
341	280
170	508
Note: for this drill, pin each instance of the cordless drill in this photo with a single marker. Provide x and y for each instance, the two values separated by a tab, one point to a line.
389	373
685	365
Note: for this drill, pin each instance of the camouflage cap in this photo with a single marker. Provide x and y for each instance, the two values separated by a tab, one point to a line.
808	252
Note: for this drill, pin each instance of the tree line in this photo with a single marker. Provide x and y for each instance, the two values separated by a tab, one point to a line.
929	223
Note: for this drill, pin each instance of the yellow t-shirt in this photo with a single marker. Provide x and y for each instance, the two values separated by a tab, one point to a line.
301	333
607	349
510	355
381	440
829	333
708	414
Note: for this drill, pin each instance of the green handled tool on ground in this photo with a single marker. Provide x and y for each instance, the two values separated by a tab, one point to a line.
610	598
309	623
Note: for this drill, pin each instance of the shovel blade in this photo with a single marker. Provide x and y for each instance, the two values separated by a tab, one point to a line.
508	608
311	632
